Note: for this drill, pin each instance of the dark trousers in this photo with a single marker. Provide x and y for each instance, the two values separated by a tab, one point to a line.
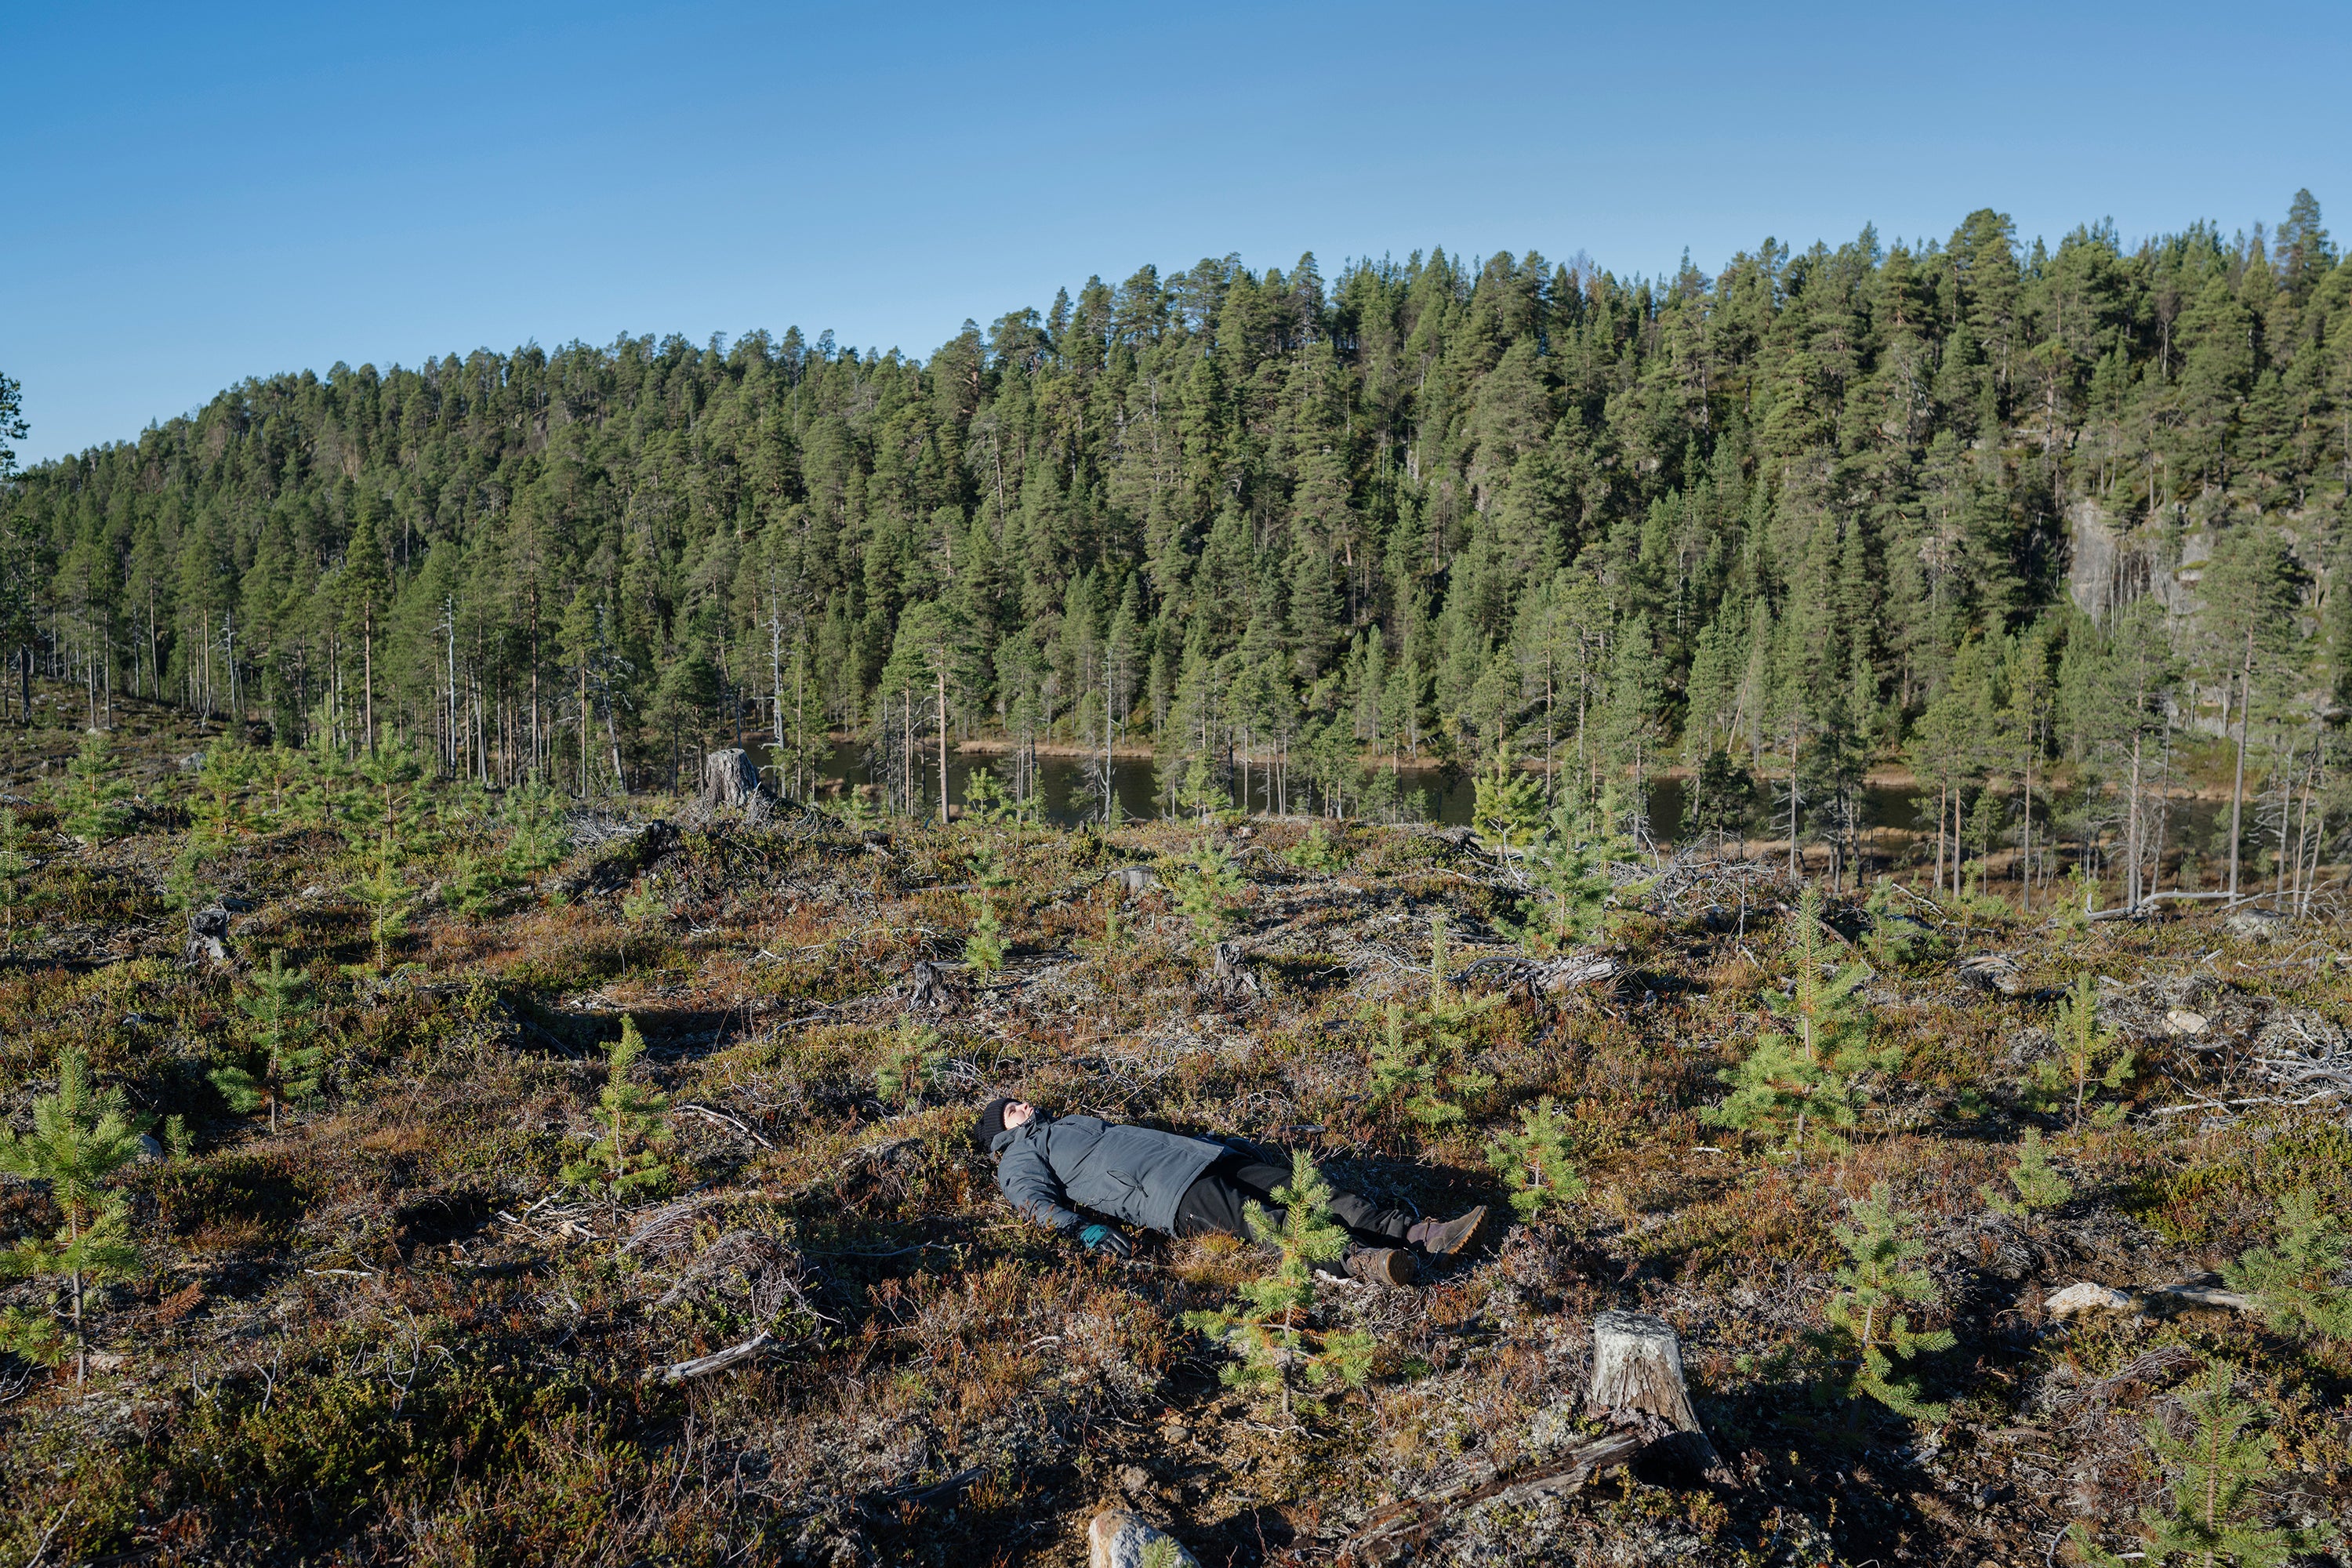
1215	1200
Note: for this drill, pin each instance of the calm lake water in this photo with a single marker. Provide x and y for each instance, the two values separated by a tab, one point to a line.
1429	795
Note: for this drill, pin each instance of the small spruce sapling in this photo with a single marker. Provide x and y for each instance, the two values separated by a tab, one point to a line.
280	1008
2217	1476
537	838
1269	1331
983	946
385	893
1507	804
2039	1186
1452	1015
1209	889
473	885
627	1155
1894	938
92	794
1798	1081
1866	1331
909	1065
1570	868
2293	1281
2088	1053
15	863
1535	1161
1316	852
80	1138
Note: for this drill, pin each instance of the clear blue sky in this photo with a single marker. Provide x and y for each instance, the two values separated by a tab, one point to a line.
198	193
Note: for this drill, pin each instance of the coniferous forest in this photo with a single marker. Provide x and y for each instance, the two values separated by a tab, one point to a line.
1999	514
1866	1079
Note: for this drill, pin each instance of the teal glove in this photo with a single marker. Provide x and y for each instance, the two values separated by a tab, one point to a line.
1103	1239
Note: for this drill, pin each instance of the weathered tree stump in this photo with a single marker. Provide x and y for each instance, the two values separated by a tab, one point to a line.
1229	975
729	781
928	986
207	938
1117	1539
1131	879
1637	1382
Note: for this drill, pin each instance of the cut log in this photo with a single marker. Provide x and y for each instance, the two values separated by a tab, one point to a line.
729	782
1637	1374
1117	1539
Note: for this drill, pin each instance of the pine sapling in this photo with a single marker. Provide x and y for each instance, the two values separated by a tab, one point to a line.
1209	889
1535	1161
473	884
1269	1332
910	1064
1507	804
2088	1052
280	1008
628	1156
1866	1333
80	1138
1570	866
1316	852
385	893
2037	1186
15	863
1798	1081
92	794
2216	1475
2293	1281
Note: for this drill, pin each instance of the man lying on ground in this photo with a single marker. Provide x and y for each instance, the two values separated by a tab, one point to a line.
1180	1187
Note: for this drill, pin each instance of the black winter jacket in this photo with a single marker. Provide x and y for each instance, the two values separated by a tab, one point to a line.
1133	1173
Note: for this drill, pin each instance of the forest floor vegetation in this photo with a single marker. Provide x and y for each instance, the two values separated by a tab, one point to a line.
431	1251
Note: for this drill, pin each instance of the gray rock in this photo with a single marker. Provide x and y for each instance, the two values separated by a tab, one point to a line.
150	1151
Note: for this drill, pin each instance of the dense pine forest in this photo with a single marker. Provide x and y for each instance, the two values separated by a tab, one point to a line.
2034	523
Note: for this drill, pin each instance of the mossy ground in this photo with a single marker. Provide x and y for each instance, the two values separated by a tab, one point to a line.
387	1332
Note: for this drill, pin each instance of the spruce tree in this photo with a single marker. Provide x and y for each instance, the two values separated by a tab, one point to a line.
909	1065
628	1157
290	1068
2038	1186
1271	1333
2293	1281
1798	1084
1534	1161
2216	1475
92	794
80	1138
1867	1330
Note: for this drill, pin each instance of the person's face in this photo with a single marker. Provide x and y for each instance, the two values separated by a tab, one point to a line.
1018	1114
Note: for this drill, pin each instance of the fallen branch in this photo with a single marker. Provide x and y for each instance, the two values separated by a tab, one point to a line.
716	1361
1484	1484
725	1120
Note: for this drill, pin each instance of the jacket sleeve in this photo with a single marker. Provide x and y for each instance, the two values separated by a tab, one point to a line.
1030	1184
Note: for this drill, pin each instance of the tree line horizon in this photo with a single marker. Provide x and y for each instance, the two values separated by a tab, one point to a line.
2045	525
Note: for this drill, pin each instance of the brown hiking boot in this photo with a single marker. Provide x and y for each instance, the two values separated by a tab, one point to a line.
1444	1238
1379	1266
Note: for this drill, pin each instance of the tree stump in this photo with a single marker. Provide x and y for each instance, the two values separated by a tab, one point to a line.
930	987
1637	1381
729	781
207	938
1117	1539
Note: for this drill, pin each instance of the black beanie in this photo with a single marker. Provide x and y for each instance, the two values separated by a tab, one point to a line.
989	1123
